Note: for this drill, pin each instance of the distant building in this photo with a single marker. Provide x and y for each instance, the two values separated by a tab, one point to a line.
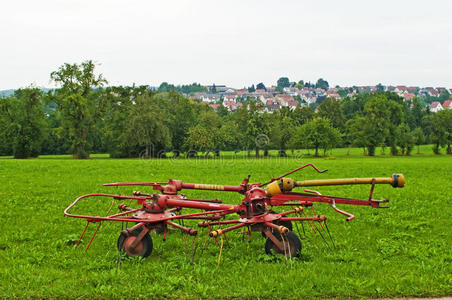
408	96
218	88
435	106
447	104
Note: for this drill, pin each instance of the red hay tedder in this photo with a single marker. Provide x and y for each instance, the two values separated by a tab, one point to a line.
161	210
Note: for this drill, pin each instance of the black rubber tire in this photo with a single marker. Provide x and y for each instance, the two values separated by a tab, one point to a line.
291	238
147	242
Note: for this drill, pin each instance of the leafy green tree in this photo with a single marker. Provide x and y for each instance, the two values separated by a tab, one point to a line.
439	126
147	127
447	116
201	139
282	128
300	85
182	114
302	115
396	117
76	120
230	136
322	84
377	122
418	111
331	108
223	111
22	122
78	79
7	108
354	106
254	126
355	134
419	137
298	140
380	87
343	93
283	82
318	133
212	122
443	96
77	102
405	138
166	87
120	101
261	86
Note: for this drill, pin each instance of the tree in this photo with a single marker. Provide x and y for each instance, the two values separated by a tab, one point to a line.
211	121
146	127
254	125
441	130
322	84
222	111
182	114
318	133
283	82
77	103
122	103
22	123
6	119
396	117
230	136
200	138
343	93
302	115
380	87
418	110
405	139
331	108
300	85
78	79
355	134
261	86
165	87
281	131
376	126
419	137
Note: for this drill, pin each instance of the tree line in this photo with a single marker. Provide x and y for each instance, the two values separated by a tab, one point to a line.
83	116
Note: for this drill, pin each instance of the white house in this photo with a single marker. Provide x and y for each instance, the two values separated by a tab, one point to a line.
436	106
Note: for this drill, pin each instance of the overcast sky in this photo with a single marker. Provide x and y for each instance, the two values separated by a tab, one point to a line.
236	43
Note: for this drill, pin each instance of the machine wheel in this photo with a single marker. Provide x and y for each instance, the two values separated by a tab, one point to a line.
143	248
287	224
291	241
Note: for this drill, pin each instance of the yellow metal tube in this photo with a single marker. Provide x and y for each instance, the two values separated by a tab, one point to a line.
397	180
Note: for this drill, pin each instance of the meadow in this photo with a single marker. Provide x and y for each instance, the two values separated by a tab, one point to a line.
405	250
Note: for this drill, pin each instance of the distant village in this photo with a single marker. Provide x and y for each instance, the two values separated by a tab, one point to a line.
273	98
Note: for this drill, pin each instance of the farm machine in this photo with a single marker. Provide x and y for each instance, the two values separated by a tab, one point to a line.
167	208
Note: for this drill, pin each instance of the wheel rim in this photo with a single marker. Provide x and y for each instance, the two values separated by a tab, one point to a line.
138	250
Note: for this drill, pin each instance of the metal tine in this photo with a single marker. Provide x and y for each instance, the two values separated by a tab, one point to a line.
196	239
221	250
331	238
323	238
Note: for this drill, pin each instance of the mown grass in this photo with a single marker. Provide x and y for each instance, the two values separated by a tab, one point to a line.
402	251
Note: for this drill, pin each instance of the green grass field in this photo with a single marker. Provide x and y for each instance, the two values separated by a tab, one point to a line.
402	251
